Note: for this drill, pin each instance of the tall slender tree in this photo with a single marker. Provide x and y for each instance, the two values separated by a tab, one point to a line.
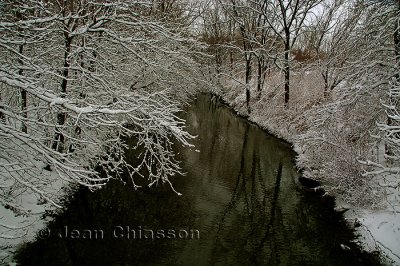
286	19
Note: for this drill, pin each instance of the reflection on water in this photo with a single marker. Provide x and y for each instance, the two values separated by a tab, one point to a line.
240	194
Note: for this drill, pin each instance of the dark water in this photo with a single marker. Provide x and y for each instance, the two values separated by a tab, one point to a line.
241	205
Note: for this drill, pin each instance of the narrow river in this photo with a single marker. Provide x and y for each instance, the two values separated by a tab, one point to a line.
241	205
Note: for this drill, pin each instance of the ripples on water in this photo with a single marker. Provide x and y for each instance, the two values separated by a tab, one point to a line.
240	193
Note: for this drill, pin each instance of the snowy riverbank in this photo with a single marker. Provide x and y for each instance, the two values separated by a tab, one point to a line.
379	226
17	228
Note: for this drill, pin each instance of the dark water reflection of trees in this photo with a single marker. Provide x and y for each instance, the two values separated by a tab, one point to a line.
240	192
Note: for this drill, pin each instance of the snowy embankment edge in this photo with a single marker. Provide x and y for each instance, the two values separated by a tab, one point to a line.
17	230
377	230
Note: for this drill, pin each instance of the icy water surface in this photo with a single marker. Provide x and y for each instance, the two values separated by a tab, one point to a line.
241	205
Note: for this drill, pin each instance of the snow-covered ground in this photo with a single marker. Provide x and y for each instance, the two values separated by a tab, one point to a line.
379	231
16	230
378	227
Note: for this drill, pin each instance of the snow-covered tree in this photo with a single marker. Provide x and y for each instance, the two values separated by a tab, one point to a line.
93	73
328	41
388	14
243	15
287	19
351	127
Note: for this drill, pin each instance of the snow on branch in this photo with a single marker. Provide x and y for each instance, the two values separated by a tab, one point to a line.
78	83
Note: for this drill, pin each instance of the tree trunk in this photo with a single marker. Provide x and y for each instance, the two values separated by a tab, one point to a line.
61	117
24	104
232	32
20	72
396	39
1	113
259	75
248	78
67	63
326	84
287	66
287	74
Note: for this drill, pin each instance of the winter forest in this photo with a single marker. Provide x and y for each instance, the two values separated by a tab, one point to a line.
94	94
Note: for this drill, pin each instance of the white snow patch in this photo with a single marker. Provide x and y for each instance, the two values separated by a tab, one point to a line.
16	230
379	231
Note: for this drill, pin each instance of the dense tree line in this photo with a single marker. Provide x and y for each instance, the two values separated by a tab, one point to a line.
323	74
